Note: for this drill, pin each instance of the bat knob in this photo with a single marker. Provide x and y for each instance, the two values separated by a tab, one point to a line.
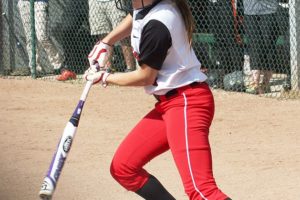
45	197
46	189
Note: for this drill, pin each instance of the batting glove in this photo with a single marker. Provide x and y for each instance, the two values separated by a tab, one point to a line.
100	54
95	68
96	77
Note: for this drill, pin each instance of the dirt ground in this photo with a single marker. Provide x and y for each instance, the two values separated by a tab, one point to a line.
255	142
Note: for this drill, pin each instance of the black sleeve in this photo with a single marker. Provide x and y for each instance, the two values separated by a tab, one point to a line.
154	45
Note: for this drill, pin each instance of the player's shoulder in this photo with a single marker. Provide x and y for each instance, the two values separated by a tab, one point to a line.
167	13
165	9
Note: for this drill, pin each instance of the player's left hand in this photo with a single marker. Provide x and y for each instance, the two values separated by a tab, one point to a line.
100	54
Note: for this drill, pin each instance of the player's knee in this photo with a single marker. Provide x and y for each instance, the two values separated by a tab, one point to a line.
129	177
43	39
120	171
41	36
116	170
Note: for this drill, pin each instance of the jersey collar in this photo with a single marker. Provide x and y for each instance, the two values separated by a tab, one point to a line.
146	10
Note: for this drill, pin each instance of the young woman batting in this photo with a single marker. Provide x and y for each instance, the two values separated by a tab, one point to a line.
161	37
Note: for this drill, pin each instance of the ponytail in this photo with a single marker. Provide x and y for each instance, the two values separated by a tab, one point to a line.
187	17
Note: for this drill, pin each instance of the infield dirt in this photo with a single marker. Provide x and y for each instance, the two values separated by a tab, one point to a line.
255	142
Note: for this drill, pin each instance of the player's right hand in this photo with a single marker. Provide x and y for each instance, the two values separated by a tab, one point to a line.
100	54
96	77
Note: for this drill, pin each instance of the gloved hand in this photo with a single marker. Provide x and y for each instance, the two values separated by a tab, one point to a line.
95	68
96	76
100	54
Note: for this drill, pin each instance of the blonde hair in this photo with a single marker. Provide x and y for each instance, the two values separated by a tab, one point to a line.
187	18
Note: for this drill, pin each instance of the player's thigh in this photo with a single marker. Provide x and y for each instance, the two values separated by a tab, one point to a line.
98	21
41	20
115	15
187	131
24	8
144	142
270	36
255	40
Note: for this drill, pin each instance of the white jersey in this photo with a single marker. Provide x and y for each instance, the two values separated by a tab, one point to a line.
180	65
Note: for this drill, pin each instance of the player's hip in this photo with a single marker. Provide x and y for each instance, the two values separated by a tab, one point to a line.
192	97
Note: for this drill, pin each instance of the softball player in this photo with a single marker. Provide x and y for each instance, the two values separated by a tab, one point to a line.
161	34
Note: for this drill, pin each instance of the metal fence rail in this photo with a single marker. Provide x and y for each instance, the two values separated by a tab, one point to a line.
222	41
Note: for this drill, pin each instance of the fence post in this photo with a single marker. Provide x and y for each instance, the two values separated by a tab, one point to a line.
1	38
12	50
33	39
294	16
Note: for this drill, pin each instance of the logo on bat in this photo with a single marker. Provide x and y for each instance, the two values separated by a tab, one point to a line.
67	144
44	186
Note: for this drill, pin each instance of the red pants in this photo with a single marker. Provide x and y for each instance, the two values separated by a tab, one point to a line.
180	124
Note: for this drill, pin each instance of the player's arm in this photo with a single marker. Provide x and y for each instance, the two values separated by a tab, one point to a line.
143	76
103	49
154	45
122	31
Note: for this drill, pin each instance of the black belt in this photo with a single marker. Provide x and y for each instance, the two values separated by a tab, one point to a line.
174	92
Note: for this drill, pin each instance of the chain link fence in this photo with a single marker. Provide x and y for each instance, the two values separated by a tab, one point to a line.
248	46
